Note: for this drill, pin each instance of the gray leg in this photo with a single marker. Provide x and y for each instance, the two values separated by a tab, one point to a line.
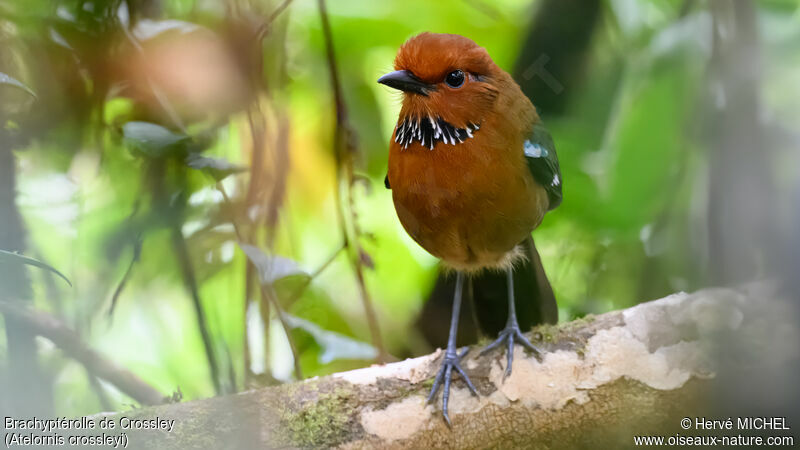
511	333
452	359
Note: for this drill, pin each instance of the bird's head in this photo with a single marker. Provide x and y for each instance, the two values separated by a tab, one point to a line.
448	81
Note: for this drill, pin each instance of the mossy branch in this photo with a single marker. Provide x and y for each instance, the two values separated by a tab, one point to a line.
600	381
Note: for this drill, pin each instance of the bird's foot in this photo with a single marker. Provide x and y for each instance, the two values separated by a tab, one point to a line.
452	362
508	336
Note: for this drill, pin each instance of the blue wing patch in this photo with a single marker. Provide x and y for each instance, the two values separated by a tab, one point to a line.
534	150
540	153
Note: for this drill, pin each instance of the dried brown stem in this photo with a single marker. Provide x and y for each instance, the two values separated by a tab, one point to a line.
345	149
66	339
264	28
268	298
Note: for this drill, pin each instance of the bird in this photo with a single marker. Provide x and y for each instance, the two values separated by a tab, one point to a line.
472	171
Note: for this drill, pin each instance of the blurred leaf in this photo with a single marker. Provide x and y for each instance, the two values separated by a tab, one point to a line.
152	140
5	79
334	345
123	14
148	29
117	110
218	168
16	258
58	39
271	268
692	33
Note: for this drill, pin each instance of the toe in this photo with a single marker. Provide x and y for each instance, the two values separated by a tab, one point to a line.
519	337
467	380
509	357
497	343
437	382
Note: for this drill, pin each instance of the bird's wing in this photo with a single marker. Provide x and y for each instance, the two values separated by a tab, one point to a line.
540	153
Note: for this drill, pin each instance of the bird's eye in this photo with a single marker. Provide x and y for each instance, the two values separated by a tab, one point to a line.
455	79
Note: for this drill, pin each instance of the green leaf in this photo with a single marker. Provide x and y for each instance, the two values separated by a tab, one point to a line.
153	140
334	346
16	258
5	79
271	267
218	168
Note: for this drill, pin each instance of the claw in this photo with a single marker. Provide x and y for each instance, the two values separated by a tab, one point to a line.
493	345
436	383
509	336
509	358
450	363
510	333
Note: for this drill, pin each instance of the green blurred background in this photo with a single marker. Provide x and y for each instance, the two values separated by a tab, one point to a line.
143	141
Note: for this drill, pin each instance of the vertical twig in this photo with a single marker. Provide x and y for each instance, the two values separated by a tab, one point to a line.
178	241
156	177
255	192
268	298
265	27
187	271
231	369
248	292
281	165
268	295
345	149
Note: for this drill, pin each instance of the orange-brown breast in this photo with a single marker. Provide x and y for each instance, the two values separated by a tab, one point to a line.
471	203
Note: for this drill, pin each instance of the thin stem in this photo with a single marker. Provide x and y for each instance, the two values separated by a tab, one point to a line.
264	28
182	253
268	293
248	363
344	148
268	296
228	201
307	282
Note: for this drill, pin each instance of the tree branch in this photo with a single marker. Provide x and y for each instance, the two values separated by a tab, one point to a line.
600	381
45	325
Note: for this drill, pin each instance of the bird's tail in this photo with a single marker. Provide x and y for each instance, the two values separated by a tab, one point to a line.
485	308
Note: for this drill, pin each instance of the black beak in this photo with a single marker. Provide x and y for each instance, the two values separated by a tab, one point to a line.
406	82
